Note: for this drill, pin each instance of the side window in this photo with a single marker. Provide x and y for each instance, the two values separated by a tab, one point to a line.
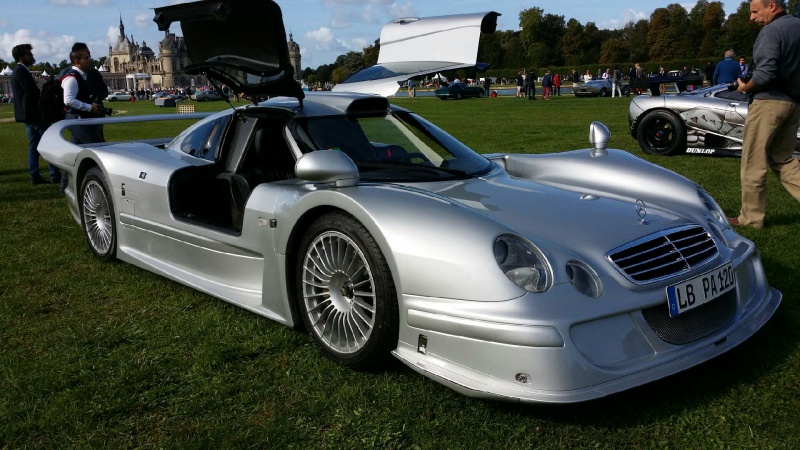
204	141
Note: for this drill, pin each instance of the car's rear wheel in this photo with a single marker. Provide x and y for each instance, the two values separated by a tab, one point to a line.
346	293
603	92
458	96
661	133
112	99
97	215
482	94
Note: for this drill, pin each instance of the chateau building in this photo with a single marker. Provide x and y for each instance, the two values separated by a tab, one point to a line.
133	66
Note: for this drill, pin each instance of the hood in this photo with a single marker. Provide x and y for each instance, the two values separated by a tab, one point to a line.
413	47
241	43
582	223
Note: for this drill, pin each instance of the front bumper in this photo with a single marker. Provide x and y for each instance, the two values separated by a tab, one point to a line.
561	361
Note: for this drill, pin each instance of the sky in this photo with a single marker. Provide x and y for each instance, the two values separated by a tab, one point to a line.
324	29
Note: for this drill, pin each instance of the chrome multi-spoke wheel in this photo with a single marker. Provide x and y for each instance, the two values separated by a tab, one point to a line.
97	215
338	291
346	293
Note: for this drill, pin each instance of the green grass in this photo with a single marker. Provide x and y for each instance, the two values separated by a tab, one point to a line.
97	355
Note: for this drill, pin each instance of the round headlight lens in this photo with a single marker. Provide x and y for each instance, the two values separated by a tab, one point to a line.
522	263
584	279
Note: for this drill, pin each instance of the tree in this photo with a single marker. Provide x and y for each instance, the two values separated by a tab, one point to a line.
353	61
635	35
713	18
540	36
340	74
614	50
661	37
739	32
371	53
574	43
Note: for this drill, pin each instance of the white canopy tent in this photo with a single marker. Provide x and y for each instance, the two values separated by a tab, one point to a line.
133	78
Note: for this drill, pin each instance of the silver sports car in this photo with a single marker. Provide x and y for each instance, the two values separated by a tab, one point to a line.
597	88
708	121
536	278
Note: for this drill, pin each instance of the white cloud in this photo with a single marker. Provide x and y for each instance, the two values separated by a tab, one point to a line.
629	15
80	2
46	47
324	40
144	20
111	35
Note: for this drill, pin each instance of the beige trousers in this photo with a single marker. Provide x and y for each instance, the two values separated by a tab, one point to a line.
770	135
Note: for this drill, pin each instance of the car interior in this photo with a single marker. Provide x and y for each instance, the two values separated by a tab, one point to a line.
215	195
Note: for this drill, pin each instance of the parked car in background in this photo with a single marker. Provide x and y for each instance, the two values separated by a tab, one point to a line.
459	91
118	96
205	96
708	121
597	88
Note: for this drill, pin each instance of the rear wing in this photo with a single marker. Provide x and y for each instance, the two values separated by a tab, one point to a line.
57	149
653	84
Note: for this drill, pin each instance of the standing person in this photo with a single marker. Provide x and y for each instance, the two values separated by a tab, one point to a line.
639	74
519	84
710	67
557	84
727	70
587	76
487	85
744	68
78	98
547	82
530	84
26	110
662	72
607	75
616	83
631	76
576	77
770	130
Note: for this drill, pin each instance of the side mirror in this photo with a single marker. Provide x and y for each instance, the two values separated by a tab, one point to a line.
598	138
327	166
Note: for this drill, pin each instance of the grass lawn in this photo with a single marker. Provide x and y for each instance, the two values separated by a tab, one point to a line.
97	355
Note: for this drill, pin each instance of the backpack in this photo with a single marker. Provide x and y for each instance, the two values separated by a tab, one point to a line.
51	101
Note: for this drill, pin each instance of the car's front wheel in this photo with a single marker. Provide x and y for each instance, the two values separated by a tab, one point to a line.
112	99
97	215
661	133
346	293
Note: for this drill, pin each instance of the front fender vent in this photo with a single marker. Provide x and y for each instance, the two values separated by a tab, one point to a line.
664	254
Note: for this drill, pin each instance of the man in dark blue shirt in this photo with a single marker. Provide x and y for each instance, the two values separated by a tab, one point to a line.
727	70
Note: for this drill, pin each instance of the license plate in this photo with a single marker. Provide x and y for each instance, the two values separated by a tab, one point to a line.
690	294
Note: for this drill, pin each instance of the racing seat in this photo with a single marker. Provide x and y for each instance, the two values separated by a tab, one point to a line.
274	159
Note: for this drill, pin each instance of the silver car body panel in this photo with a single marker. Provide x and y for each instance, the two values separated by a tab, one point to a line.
412	47
483	335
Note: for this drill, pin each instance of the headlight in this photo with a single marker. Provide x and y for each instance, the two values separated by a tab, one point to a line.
526	266
716	212
584	279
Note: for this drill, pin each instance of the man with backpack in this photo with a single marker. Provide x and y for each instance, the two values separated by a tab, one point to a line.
26	110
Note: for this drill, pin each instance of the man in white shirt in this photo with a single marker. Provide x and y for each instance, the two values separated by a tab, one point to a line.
78	98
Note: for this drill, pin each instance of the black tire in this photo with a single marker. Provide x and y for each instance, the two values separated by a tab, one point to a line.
345	293
204	99
625	90
98	220
661	133
603	92
112	99
458	96
481	94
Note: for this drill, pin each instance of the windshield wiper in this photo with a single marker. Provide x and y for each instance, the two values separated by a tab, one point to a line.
412	167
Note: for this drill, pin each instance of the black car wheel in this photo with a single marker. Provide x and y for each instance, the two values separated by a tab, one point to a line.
603	92
112	99
458	96
97	215
482	94
661	133
346	293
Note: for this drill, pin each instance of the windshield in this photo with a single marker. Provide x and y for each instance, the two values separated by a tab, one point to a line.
400	147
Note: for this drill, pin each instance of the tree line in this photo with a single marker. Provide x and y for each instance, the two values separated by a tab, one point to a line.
547	40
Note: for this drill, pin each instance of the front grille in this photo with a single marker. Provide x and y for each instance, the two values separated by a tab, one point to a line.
692	325
664	254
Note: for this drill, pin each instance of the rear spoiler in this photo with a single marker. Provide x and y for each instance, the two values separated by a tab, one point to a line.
653	83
